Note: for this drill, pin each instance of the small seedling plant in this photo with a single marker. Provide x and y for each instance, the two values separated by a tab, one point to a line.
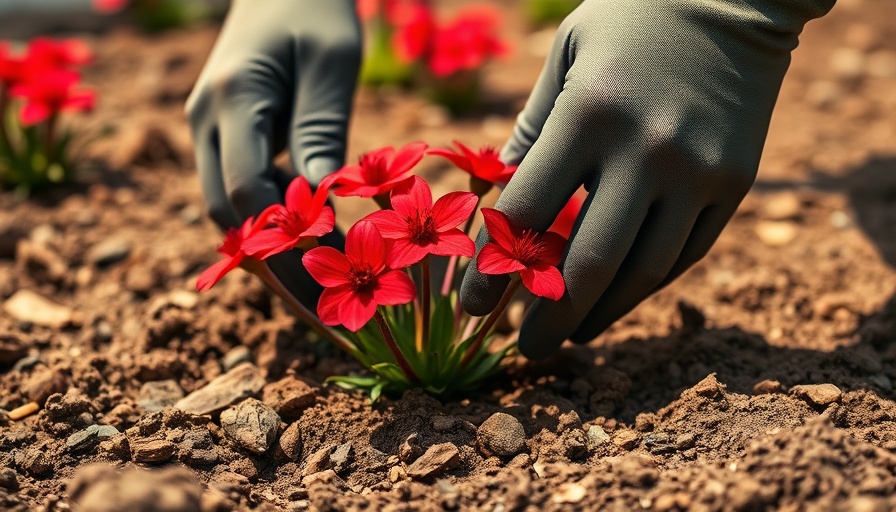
37	84
378	302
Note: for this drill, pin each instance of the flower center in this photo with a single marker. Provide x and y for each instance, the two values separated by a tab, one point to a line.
231	244
374	169
528	247
422	228
362	279
291	222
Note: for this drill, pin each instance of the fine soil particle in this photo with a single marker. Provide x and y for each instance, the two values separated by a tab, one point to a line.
762	379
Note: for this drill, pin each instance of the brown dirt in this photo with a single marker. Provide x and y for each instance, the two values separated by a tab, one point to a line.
686	404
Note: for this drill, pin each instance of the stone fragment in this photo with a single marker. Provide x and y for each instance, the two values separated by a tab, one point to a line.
569	493
397	474
319	460
502	435
28	306
596	436
252	424
341	456
775	233
626	439
12	348
151	449
9	479
109	251
158	394
709	387
818	394
290	442
288	396
235	356
410	449
242	381
782	206
766	387
34	462
87	439
436	459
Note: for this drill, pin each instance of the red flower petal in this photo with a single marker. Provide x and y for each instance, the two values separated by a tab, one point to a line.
406	158
494	260
544	281
327	266
210	276
298	194
365	245
356	310
554	245
390	224
454	243
323	225
268	242
393	288
458	160
411	196
499	227
331	299
452	209
403	253
33	113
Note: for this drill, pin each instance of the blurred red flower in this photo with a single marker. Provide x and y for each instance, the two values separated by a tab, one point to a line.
45	54
110	6
566	219
11	66
304	217
231	249
484	164
359	280
417	227
534	255
49	93
467	42
377	172
414	27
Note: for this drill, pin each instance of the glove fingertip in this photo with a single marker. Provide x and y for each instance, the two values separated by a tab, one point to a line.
480	293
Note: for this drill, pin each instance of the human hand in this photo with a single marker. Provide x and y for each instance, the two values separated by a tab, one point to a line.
282	74
660	109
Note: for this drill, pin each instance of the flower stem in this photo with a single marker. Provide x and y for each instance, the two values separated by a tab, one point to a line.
426	300
490	321
51	134
393	347
264	272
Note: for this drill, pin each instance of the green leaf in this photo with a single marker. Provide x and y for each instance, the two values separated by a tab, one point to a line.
391	372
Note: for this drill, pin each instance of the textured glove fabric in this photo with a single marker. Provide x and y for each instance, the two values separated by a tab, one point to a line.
281	75
660	109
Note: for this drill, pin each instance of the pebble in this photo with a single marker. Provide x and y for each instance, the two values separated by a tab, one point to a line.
151	449
397	474
159	394
776	233
319	460
410	449
627	439
183	299
109	251
501	434
818	394
43	235
35	462
12	348
341	456
288	396
9	479
290	442
190	214
235	356
252	424
28	306
436	459
87	439
782	206
596	436
226	389
569	492
767	387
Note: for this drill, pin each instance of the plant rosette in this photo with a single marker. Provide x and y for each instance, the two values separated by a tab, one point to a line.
378	302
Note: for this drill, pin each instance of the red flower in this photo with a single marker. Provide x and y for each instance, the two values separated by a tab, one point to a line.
567	217
467	42
304	217
49	93
231	249
534	255
11	67
45	54
377	172
359	280
485	165
414	27
109	6
418	227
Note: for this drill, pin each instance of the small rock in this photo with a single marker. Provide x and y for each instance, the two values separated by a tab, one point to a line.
596	436
709	387
159	394
501	434
397	474
776	233
685	441
290	442
12	348
43	382
86	439
34	462
242	381
288	396
818	394
109	251
190	214
252	424
319	460
341	456
27	306
151	449
767	387
410	449
569	492
782	206
235	356
183	299
626	439
436	459
9	479
102	488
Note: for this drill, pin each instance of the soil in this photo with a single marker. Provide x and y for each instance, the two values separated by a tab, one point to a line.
763	379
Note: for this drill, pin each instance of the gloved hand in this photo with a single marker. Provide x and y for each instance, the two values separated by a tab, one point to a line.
661	109
282	72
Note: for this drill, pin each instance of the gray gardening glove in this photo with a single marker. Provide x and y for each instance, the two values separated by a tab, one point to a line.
661	109
282	73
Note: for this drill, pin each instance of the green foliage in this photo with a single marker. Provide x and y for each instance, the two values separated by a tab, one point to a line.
549	11
28	162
